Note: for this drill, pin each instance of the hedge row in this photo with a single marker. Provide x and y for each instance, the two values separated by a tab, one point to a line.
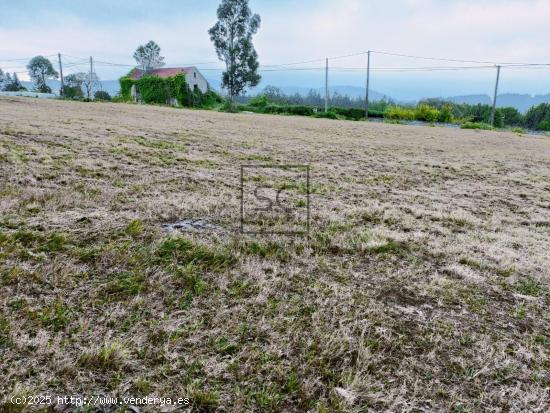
303	110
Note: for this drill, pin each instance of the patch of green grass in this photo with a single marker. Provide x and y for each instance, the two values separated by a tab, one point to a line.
476	125
292	384
181	251
109	357
256	157
465	340
520	312
268	398
190	275
142	386
56	316
204	400
471	263
135	227
89	172
56	242
205	163
225	347
16	304
390	247
27	238
270	250
124	284
241	289
4	331
155	143
529	287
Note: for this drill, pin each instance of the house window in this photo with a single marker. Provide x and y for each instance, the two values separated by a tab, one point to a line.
195	75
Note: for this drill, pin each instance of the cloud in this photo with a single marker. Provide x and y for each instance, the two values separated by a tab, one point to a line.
291	31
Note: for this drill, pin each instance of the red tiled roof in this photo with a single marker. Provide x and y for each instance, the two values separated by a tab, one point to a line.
162	72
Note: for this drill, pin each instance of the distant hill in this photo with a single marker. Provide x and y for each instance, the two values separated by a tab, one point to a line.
521	102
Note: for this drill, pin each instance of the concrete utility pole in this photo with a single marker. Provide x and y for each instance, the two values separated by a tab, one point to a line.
60	74
367	93
326	86
495	98
90	77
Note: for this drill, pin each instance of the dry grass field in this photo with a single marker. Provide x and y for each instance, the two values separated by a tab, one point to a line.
424	284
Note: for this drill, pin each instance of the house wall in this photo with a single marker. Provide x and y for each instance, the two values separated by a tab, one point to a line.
194	77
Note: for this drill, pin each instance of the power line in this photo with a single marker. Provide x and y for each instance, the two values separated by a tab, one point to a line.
454	60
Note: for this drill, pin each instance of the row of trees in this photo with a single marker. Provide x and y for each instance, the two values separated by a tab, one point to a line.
76	85
313	98
273	100
40	69
10	83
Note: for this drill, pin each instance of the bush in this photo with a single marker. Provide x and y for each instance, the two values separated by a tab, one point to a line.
72	92
426	113
399	113
43	89
126	83
102	95
544	125
538	116
259	101
301	110
350	113
510	116
326	115
376	113
445	114
211	99
476	125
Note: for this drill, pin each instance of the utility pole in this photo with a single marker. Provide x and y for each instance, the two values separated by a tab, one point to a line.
60	74
495	98
367	92
90	77
326	86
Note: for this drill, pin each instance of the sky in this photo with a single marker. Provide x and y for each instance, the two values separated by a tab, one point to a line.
296	31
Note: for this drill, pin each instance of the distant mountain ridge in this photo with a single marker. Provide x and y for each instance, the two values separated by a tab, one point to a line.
521	102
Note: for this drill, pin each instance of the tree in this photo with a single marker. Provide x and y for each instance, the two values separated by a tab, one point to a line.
102	95
90	82
12	84
40	70
274	94
72	87
232	38
148	56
